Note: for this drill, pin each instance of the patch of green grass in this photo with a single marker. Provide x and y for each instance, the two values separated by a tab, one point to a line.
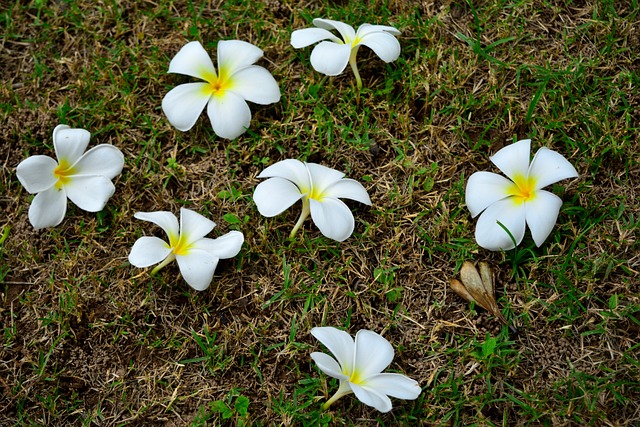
235	407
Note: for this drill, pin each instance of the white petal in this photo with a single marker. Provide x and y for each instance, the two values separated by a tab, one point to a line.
323	177
328	365
165	220
36	173
104	159
234	55
229	114
224	247
194	226
339	343
90	193
256	84
366	29
373	353
385	45
542	214
513	159
372	397
549	167
275	195
490	235
48	208
309	36
346	31
70	143
197	268
484	189
332	217
394	385
348	189
330	58
184	104
148	250
192	60
290	169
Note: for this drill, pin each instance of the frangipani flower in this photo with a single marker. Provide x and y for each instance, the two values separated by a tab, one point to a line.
331	57
225	92
197	256
518	200
359	365
320	189
85	178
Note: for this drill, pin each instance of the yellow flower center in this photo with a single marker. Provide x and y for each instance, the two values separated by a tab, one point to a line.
522	189
311	192
315	194
179	244
218	84
354	377
63	172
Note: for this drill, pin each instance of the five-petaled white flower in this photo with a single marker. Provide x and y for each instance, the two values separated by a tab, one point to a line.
83	178
197	256
331	57
225	92
319	187
359	368
519	200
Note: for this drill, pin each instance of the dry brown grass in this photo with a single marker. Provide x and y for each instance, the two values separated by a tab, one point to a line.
90	340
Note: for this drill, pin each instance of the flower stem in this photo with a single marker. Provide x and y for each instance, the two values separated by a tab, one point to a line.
342	390
166	261
303	215
354	66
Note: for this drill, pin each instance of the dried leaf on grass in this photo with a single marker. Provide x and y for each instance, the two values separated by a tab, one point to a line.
479	288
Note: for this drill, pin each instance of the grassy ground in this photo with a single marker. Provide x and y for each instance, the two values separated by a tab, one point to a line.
88	339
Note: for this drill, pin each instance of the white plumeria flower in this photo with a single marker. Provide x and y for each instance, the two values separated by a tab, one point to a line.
85	178
197	256
359	368
519	200
320	189
225	92
331	57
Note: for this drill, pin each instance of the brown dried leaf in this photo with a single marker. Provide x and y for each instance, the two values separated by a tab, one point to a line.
479	288
487	278
459	289
473	283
